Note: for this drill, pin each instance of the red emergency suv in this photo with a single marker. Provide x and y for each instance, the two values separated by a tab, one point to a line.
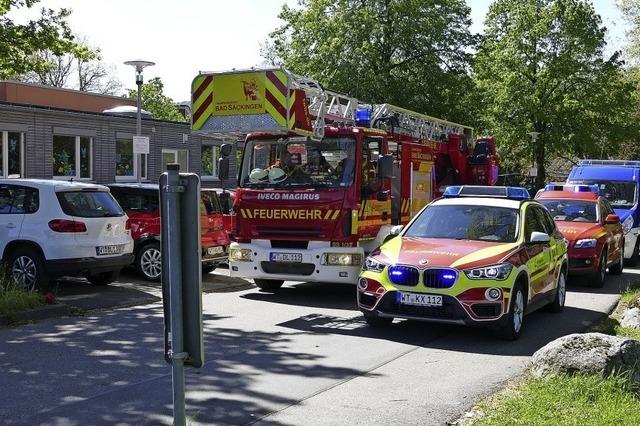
588	222
225	198
141	203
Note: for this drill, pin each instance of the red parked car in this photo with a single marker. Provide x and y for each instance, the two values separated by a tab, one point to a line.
141	203
588	222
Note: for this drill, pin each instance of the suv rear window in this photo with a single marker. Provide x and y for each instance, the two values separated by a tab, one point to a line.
146	201
89	204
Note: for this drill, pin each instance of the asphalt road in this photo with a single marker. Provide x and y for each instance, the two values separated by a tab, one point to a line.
301	356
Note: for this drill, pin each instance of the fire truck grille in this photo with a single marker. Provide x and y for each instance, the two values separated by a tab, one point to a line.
288	268
267	231
283	244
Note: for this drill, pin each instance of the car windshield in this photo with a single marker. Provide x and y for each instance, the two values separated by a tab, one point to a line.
89	204
621	194
286	164
572	210
466	222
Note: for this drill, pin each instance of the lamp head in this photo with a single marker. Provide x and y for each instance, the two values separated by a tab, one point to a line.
139	64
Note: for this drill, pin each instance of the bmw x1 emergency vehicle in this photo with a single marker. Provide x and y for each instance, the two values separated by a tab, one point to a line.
482	256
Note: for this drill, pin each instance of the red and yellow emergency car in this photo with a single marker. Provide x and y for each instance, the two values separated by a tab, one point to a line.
481	256
588	222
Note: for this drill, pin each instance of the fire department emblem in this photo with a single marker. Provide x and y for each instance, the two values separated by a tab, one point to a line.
250	89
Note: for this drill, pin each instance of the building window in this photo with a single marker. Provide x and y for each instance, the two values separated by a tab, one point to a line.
126	164
180	156
210	155
11	154
72	157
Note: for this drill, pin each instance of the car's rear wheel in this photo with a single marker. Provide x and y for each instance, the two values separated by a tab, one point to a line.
268	285
374	320
561	294
103	278
618	267
515	319
26	267
600	275
149	262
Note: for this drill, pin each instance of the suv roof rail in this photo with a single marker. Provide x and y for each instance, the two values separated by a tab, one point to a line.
510	192
623	163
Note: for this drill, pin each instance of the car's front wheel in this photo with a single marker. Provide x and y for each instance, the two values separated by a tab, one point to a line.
515	319
149	261
600	275
268	285
103	278
26	267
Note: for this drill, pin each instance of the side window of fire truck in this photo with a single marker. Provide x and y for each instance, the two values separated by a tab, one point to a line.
375	147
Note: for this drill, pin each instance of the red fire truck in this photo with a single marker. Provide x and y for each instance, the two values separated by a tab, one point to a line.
323	177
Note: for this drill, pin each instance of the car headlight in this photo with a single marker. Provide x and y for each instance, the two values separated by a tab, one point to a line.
240	255
586	243
494	272
342	259
370	264
627	224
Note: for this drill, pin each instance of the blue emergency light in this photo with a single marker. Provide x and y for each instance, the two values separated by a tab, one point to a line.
510	192
572	188
363	117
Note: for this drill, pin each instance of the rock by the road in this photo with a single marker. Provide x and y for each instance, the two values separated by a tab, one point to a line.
631	318
588	353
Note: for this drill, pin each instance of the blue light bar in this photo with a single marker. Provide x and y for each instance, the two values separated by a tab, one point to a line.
363	117
572	188
510	192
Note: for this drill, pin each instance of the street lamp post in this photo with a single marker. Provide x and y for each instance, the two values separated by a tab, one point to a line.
534	165
139	66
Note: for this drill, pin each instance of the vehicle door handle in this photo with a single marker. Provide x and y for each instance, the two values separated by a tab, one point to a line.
10	225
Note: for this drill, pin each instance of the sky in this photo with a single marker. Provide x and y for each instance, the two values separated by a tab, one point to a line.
187	36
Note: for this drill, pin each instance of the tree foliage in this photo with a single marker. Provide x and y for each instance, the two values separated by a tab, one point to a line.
412	53
541	67
21	43
153	100
85	72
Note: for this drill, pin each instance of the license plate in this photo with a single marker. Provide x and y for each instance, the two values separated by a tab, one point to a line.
106	250
285	257
214	250
416	299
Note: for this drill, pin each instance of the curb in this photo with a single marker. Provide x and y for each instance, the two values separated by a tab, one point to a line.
36	314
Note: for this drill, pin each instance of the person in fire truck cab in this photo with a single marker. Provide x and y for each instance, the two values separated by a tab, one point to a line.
316	163
287	165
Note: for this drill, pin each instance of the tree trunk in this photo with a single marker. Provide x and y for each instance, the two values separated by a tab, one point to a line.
539	153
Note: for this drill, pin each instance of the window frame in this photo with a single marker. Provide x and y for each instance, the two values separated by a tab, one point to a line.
4	154
214	159
175	152
77	139
145	164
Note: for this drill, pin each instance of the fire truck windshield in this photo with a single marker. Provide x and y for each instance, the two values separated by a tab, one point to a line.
288	164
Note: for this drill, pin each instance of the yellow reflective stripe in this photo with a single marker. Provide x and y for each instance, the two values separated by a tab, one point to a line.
335	215
268	85
485	253
249	214
282	121
354	222
328	215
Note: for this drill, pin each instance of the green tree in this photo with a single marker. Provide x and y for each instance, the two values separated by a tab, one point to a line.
153	100
631	11
20	44
541	67
412	53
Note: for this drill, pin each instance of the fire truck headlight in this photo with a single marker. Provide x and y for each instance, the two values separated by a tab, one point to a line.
342	259
240	255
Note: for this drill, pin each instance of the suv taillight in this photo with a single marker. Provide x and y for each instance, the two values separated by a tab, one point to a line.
64	225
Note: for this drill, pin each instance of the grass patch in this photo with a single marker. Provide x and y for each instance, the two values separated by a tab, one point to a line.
13	299
633	333
630	295
564	400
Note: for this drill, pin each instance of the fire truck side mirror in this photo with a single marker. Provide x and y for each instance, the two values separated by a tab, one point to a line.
223	161
385	166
